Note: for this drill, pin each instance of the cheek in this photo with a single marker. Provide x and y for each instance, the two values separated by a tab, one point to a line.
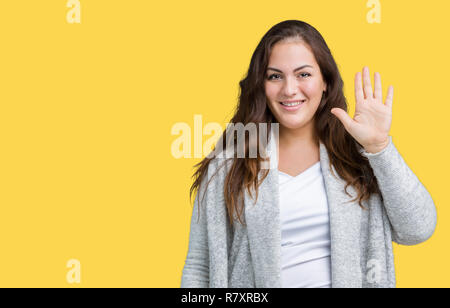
271	91
312	88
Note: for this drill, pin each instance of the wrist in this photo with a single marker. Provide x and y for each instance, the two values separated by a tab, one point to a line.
376	148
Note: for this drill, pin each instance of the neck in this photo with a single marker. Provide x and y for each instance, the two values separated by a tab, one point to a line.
301	137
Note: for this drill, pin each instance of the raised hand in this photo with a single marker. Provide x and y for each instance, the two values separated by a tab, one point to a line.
372	120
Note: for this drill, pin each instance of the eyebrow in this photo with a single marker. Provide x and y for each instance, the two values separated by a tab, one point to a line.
298	68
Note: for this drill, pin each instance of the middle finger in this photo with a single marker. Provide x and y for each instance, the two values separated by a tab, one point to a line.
367	85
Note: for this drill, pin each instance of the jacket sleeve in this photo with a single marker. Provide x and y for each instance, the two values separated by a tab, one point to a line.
409	206
195	272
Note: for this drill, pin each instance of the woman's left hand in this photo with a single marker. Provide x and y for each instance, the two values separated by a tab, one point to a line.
372	120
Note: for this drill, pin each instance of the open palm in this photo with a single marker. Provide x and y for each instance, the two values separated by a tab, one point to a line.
372	120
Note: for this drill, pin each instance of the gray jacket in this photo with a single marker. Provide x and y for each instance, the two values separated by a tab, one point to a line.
361	240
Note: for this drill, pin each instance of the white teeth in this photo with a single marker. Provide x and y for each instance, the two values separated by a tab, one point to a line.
291	104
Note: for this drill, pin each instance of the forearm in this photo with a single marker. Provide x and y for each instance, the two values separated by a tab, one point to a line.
195	273
409	206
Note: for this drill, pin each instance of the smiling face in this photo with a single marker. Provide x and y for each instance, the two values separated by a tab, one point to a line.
293	75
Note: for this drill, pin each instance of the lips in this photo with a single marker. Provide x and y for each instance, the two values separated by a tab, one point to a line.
285	103
293	108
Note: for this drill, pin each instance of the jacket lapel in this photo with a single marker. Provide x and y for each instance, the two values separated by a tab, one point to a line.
345	224
264	227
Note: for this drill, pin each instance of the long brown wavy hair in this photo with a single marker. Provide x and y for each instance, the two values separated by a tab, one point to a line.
342	148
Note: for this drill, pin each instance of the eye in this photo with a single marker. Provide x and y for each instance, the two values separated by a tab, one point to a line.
301	74
270	76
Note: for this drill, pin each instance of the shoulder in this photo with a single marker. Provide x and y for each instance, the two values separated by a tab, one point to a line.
218	168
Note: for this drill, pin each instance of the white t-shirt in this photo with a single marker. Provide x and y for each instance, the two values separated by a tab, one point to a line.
305	231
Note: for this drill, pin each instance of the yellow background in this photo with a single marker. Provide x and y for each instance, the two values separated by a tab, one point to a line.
86	112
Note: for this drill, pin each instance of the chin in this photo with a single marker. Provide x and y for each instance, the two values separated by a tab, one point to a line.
292	125
295	127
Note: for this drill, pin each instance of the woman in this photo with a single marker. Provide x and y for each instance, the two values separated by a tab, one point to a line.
336	195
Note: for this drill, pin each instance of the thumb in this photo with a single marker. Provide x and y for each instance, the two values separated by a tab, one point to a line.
342	116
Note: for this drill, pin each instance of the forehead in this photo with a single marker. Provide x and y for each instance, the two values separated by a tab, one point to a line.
291	55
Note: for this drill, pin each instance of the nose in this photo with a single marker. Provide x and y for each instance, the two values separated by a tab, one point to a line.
290	87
